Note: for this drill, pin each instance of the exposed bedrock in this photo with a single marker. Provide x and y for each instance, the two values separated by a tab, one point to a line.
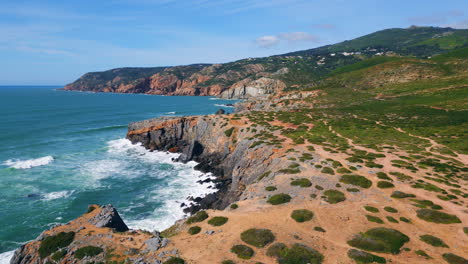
203	139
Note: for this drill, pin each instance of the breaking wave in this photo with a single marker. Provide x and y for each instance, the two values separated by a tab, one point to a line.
27	164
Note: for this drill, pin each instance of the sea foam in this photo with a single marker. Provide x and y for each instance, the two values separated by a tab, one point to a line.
182	182
27	164
6	257
56	195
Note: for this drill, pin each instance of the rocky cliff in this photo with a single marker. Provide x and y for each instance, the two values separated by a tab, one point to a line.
220	144
242	81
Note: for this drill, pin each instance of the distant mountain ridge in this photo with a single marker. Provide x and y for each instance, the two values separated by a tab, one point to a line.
262	76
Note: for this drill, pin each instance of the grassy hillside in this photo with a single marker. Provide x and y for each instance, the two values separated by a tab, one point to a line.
297	69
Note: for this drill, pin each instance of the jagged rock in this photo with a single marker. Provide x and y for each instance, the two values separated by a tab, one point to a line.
155	243
220	112
253	88
109	217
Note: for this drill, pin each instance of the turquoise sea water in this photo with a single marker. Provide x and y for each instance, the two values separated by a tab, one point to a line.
60	151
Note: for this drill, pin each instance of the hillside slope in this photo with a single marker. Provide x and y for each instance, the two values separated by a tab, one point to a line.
262	76
367	166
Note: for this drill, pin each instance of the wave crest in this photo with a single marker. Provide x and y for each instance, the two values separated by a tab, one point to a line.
27	164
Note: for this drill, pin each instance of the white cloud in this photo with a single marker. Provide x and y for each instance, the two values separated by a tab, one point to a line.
298	36
290	37
267	41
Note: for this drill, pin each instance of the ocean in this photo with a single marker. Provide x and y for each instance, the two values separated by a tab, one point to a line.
61	151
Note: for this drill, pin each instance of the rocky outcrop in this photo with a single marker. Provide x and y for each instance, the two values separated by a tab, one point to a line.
108	217
193	80
103	231
205	139
253	88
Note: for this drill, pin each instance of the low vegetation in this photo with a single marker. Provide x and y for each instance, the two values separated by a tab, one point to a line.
257	237
174	260
53	243
390	209
242	251
198	217
433	241
302	215
302	182
194	230
385	185
381	239
334	196
356	180
88	251
362	257
401	195
374	219
218	221
300	253
279	199
454	259
371	209
434	216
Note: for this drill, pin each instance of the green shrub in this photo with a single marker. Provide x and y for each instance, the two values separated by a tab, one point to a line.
352	189
465	230
328	170
194	230
301	182
404	219
228	261
390	209
374	219
362	257
371	209
385	185
437	217
53	243
279	199
334	196
218	221
270	188
276	250
383	176
299	253
90	209
242	251
302	215
454	259
198	217
228	132
343	170
257	237
234	206
433	241
357	180
174	260
381	239
422	253
401	195
392	220
59	255
88	251
319	229
318	187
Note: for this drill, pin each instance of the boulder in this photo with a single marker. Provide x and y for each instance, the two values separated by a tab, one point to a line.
109	217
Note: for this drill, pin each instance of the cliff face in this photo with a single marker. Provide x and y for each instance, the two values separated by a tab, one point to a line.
220	145
212	80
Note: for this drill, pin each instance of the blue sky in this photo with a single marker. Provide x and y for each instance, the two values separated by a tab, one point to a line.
54	42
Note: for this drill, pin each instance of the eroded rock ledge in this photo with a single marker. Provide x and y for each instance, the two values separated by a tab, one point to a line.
213	141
